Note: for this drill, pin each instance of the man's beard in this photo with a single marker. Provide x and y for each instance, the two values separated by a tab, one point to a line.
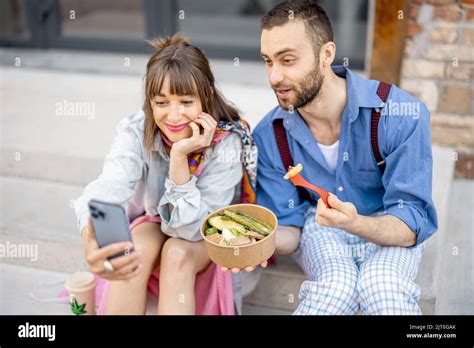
309	89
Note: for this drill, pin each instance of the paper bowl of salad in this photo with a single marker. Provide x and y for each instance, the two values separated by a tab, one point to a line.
240	235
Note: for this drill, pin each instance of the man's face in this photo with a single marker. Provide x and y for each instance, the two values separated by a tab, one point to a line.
292	64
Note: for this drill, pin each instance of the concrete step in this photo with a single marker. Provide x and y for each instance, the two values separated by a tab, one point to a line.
455	286
248	309
36	292
33	291
38	209
19	284
279	286
38	217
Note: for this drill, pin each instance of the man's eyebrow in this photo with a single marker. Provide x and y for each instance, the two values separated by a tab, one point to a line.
280	52
285	50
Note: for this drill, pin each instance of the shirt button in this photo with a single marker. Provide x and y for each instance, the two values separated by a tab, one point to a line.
340	188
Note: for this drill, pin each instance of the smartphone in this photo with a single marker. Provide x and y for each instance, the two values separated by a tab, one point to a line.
110	224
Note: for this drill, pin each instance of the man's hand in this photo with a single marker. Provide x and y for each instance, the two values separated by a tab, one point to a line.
341	215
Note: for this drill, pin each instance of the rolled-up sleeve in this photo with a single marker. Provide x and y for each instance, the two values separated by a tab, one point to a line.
274	192
123	168
183	207
408	174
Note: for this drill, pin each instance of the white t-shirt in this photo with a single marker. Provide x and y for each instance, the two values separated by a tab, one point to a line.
330	154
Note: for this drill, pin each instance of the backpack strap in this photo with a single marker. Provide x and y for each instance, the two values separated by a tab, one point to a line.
382	91
285	154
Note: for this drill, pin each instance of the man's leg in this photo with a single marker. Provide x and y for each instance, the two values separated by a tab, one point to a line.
332	273
386	282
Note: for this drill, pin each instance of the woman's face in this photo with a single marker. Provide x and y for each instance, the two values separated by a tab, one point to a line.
173	113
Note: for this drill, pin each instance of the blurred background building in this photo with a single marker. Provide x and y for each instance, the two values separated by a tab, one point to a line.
431	40
224	29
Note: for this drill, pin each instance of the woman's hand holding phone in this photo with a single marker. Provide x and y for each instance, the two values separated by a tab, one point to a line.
124	267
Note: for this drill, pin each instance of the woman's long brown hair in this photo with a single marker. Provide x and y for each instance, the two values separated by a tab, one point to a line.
189	74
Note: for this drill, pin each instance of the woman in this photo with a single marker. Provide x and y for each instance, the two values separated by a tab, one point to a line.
169	166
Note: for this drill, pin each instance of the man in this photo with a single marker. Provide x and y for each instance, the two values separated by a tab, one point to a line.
363	250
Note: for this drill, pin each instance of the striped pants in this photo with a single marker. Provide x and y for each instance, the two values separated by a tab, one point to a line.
346	273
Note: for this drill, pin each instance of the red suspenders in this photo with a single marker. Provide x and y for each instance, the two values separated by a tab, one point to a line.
382	91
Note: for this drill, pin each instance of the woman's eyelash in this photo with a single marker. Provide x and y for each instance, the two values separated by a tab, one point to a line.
186	102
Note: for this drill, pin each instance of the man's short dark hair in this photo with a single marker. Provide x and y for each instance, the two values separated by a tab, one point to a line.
315	19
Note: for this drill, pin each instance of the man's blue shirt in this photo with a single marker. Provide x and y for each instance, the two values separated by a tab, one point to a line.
404	141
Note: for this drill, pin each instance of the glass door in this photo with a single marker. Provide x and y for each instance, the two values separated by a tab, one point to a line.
14	24
222	28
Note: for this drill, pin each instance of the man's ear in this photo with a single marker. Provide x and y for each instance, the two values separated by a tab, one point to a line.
328	53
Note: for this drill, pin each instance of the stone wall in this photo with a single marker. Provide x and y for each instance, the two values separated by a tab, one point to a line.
438	68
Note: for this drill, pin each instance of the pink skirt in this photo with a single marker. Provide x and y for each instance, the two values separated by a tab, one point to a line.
214	291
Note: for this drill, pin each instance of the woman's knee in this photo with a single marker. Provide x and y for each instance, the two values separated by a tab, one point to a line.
177	254
148	241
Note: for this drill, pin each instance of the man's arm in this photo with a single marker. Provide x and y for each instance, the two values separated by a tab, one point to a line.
386	230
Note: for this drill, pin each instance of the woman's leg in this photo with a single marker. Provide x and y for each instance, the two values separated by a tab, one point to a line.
181	260
129	296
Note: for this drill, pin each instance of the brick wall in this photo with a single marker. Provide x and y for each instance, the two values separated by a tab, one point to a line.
438	68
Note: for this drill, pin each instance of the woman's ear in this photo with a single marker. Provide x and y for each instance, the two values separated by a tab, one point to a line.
212	90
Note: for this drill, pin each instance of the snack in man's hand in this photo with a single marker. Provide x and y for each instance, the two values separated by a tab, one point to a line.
292	171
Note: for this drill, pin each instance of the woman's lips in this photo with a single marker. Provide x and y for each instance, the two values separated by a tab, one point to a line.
177	128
